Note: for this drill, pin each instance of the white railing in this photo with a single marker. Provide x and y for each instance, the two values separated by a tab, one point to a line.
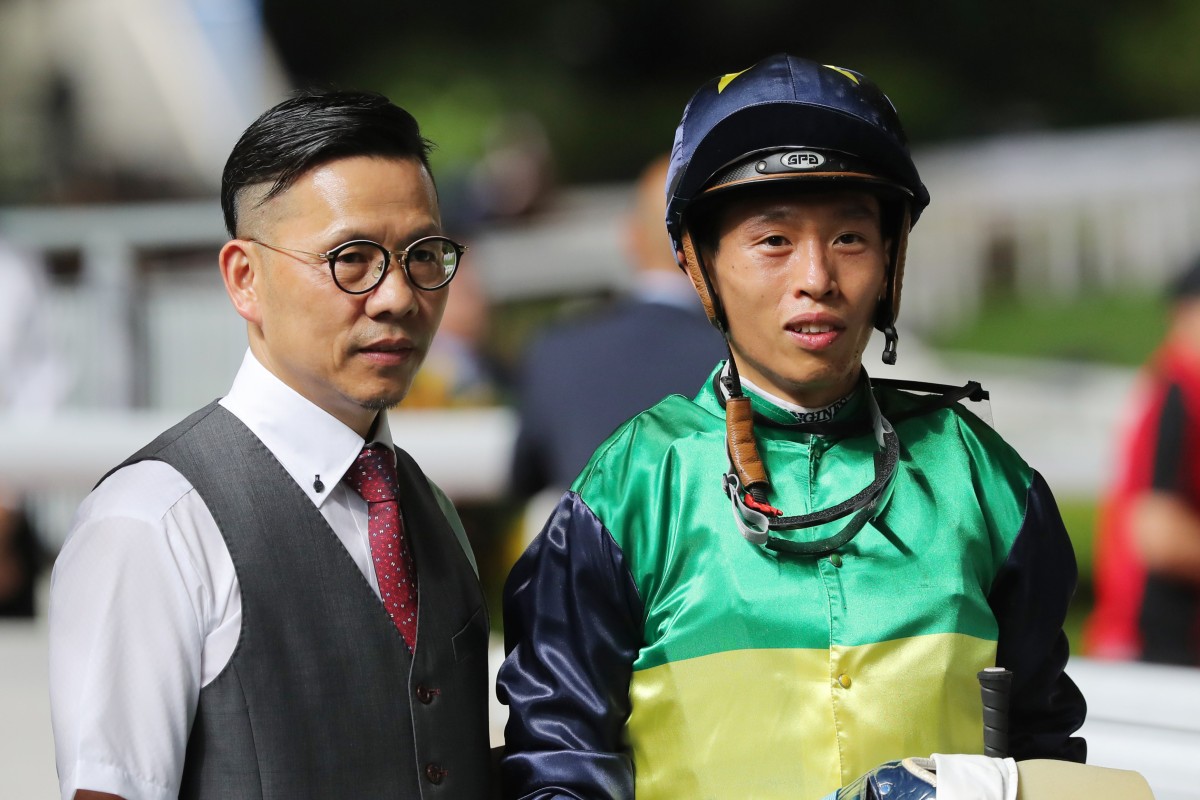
100	319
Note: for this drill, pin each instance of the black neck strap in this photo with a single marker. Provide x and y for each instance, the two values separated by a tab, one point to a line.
758	526
885	459
757	523
885	469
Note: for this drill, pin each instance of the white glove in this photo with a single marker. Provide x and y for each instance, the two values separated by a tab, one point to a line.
968	777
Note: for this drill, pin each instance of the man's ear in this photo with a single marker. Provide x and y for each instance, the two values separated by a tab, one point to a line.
240	271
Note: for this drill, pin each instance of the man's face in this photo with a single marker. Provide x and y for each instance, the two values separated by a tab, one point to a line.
799	276
352	355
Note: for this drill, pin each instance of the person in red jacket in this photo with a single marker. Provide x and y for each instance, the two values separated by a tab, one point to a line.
1148	550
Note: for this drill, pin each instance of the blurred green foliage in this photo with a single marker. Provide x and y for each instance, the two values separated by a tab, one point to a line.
609	80
1121	329
1079	516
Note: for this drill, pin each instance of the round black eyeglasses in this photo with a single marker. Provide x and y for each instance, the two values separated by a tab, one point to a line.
359	266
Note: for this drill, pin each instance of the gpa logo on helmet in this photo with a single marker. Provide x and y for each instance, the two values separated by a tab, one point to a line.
802	159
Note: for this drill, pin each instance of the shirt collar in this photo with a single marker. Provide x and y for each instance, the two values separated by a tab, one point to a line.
313	446
786	405
785	411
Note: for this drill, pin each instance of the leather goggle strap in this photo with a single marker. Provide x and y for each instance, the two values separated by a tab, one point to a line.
739	416
896	283
742	446
889	304
700	280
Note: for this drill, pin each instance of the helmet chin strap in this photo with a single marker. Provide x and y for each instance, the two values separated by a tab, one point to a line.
744	459
889	305
745	462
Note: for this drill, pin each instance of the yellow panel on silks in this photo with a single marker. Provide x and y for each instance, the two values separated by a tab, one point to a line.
819	717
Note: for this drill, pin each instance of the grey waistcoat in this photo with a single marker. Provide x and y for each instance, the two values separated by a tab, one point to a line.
321	698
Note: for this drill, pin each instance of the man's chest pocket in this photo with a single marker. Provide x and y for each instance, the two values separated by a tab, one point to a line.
472	639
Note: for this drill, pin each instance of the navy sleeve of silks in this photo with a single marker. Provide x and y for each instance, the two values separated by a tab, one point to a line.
1169	439
572	629
1029	598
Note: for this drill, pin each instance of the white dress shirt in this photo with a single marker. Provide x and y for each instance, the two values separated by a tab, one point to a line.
145	608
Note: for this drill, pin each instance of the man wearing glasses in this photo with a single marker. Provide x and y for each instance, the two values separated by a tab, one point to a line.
270	600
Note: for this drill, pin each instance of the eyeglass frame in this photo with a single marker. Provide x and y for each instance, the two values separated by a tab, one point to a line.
330	256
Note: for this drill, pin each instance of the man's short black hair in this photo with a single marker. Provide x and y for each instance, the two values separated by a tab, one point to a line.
311	128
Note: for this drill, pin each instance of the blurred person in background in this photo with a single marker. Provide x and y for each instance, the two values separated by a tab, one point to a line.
271	600
32	383
458	372
1147	577
769	589
581	378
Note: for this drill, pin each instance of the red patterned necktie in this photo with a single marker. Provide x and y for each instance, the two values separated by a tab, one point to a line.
373	476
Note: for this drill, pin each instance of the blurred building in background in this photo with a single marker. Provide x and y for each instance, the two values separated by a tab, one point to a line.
1054	215
122	99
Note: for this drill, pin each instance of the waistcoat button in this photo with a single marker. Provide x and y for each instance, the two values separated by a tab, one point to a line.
425	694
434	773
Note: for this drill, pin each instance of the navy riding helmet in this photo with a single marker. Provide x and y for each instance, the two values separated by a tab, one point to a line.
784	119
